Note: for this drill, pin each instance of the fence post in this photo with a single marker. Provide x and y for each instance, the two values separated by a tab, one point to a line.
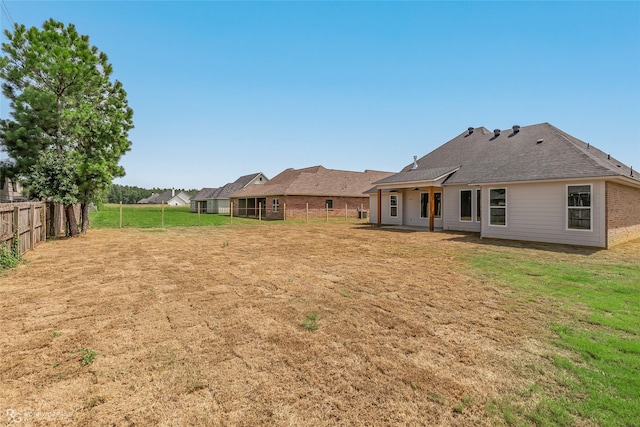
16	227
43	222
307	212
32	227
346	212
259	212
327	211
163	214
231	222
284	211
120	214
198	208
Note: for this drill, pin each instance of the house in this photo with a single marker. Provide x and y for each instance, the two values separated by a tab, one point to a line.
530	183
315	191
169	197
10	190
216	200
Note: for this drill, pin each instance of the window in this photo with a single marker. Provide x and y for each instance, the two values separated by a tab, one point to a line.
328	203
478	210
579	207
393	203
275	205
437	205
424	205
498	206
465	205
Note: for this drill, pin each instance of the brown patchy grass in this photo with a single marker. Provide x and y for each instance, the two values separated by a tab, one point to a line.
204	326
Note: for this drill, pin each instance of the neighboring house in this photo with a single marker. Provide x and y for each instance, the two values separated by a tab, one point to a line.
216	200
329	192
169	197
530	183
10	191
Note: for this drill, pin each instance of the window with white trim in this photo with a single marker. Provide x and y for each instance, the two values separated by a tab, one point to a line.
424	205
437	205
393	205
275	205
465	205
579	207
498	206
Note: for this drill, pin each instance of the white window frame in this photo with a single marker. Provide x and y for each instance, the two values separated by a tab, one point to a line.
470	206
275	205
590	207
506	204
392	205
428	201
437	215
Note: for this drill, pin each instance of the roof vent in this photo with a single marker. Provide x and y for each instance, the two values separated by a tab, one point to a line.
415	162
470	129
496	133
540	141
516	128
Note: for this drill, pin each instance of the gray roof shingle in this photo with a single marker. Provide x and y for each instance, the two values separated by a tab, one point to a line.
536	152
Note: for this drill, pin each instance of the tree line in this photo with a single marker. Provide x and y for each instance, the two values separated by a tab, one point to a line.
128	194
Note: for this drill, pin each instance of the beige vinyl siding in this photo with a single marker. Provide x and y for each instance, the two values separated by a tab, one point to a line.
538	212
386	201
411	209
451	209
373	208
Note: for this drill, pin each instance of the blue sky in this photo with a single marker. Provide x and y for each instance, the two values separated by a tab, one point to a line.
224	89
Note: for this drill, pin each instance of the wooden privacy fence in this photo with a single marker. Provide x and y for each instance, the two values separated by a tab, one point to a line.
27	221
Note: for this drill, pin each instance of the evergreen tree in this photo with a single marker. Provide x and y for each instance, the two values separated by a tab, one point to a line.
66	113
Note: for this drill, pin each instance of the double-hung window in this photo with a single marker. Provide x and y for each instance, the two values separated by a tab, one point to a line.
579	207
498	206
393	204
275	205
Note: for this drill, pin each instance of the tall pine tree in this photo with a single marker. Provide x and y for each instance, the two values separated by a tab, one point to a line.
67	116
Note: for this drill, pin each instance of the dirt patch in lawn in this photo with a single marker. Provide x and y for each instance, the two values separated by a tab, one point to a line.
204	326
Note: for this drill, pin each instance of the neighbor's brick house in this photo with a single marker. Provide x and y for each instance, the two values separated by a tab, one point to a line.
315	191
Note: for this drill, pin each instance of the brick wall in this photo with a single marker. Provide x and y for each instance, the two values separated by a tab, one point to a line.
296	207
623	213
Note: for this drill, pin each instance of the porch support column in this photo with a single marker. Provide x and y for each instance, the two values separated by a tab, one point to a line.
432	209
379	207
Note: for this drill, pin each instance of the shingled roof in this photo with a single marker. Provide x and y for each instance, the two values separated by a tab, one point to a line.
226	190
315	181
532	153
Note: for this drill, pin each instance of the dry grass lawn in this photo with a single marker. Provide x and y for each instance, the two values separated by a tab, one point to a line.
203	326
